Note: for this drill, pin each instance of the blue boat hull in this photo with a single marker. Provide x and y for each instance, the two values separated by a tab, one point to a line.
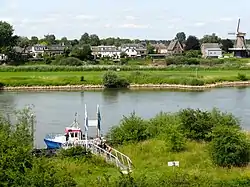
52	145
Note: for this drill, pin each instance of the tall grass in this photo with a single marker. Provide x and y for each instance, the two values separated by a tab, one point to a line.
53	68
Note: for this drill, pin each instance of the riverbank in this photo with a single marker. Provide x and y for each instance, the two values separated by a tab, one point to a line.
132	87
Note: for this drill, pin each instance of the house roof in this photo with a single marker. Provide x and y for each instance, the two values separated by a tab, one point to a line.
160	46
172	44
210	45
104	49
56	48
138	46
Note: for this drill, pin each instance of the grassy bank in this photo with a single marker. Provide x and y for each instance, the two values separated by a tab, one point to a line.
183	77
150	159
183	136
147	143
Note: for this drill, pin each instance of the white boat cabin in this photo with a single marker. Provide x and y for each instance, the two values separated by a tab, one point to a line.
73	134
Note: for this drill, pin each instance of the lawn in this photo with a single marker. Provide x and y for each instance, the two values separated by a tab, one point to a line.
95	77
150	160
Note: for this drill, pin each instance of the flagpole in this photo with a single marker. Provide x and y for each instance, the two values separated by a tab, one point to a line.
86	127
99	121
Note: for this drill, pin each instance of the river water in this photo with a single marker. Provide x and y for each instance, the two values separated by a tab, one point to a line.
56	110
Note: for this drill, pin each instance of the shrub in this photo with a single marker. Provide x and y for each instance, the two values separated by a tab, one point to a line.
176	140
131	129
242	77
161	124
229	147
75	152
82	78
196	123
18	166
112	80
70	61
124	61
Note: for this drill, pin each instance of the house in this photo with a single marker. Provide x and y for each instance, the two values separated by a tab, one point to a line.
38	50
3	57
211	50
106	51
160	48
175	48
55	49
134	50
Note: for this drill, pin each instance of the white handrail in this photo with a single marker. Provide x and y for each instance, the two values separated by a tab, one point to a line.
121	160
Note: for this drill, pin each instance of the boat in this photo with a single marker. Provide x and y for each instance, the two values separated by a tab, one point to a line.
72	135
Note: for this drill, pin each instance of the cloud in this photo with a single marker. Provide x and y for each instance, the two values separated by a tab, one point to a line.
108	25
199	24
84	17
12	4
174	20
130	18
226	19
134	26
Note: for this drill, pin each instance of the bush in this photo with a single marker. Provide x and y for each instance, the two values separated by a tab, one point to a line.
17	164
70	61
242	77
75	152
82	78
112	80
198	124
176	140
229	147
131	129
161	124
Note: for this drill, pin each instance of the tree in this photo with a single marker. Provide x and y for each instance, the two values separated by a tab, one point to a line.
226	44
82	52
192	43
94	40
84	39
181	37
17	164
7	40
50	39
150	49
211	39
23	42
74	42
64	40
34	40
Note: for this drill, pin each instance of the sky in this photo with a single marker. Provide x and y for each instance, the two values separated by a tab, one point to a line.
134	19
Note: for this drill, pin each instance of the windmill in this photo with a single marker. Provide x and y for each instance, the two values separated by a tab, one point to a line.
240	48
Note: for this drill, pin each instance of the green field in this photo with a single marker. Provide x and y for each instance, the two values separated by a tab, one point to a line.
150	159
134	77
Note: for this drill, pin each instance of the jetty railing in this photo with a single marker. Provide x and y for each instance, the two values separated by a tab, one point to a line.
121	161
114	156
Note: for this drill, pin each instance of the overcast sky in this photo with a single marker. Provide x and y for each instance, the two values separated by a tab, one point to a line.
143	19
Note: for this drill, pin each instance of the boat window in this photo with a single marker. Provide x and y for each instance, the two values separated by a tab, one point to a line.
72	135
76	134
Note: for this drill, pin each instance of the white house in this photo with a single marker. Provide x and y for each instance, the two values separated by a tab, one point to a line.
37	50
211	50
160	48
134	50
106	51
3	57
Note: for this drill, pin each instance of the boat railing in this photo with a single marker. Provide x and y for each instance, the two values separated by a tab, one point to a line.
53	135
